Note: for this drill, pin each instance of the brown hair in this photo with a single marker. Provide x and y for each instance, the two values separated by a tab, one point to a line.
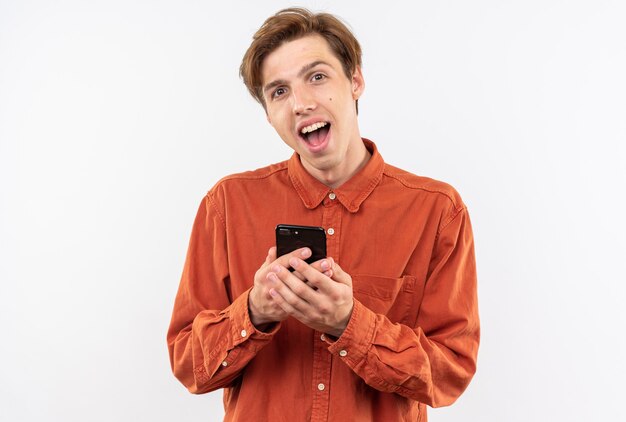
291	24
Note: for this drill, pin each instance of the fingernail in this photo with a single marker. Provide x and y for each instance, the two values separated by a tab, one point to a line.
276	268
328	273
272	276
305	252
273	292
325	265
293	262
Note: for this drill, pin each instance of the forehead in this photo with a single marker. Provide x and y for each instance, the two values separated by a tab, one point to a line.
286	61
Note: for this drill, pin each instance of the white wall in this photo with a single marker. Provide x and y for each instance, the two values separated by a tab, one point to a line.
117	116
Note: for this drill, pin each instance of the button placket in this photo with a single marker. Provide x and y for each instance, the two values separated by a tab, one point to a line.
331	221
322	359
321	378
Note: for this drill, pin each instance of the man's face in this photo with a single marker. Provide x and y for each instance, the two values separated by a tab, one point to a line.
311	104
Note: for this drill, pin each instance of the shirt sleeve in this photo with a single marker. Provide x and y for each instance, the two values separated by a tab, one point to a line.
211	338
434	361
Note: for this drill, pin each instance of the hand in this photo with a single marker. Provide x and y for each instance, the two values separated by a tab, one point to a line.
321	300
263	308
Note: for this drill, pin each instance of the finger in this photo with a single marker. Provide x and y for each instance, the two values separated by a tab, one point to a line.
340	275
324	266
300	276
318	266
298	286
304	280
283	260
314	277
287	307
302	253
291	289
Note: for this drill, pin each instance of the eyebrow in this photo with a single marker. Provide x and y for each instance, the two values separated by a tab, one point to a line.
302	71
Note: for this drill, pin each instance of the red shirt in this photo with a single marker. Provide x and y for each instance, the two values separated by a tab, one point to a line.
413	336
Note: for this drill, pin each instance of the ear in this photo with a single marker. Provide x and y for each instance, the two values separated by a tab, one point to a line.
358	83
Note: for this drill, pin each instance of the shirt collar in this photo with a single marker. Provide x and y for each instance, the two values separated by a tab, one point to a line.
351	194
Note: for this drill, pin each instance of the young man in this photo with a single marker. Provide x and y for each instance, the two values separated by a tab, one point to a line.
383	326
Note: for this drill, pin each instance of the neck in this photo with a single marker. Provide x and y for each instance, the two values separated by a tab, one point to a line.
356	157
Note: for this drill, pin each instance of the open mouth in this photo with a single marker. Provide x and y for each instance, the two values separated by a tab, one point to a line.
315	134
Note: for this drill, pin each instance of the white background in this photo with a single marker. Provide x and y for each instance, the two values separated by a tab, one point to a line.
117	116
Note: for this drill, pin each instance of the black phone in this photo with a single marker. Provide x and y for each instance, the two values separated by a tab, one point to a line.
289	238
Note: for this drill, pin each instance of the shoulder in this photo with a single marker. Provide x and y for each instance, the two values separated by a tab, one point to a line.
433	198
251	181
424	186
252	175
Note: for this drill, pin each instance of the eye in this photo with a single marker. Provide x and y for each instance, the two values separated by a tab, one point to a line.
318	77
278	92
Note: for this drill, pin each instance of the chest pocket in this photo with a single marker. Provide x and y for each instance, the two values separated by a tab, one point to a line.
397	298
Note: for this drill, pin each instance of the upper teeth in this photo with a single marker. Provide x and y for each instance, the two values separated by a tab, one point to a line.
313	127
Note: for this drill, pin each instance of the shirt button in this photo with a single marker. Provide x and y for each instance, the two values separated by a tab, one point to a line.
332	195
321	386
331	231
323	337
224	363
244	333
343	353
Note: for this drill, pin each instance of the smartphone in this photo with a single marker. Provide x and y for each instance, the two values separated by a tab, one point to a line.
289	238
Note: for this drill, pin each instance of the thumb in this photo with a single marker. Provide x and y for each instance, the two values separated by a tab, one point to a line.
271	256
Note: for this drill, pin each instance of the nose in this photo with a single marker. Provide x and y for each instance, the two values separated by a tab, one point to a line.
303	101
